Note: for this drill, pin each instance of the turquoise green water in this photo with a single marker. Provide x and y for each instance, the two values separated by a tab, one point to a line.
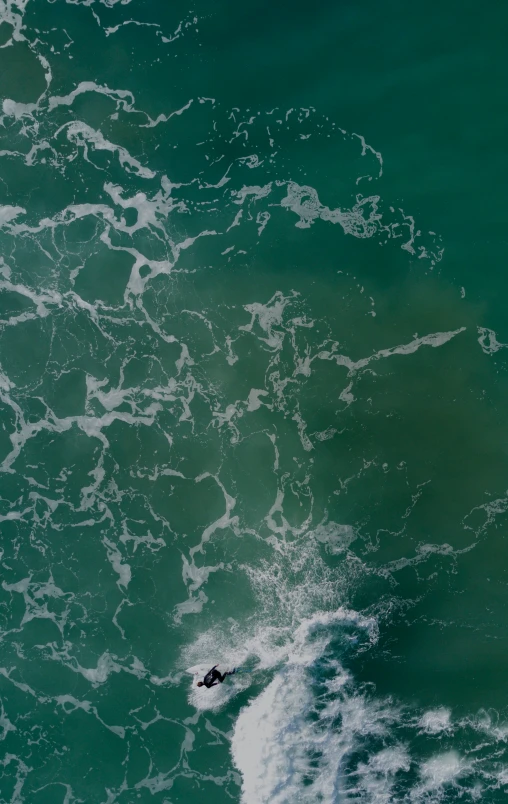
253	385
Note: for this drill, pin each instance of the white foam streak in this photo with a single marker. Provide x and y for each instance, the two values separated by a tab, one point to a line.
489	342
118	563
90	425
70	704
122	97
440	770
303	200
435	339
436	721
36	604
164	118
268	316
82	134
9	213
11	12
253	192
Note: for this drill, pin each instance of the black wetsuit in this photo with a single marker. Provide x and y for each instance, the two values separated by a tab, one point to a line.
213	676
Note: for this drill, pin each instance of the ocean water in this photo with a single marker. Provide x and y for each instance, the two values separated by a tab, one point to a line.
253	382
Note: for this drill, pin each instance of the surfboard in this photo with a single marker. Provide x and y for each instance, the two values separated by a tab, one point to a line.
202	669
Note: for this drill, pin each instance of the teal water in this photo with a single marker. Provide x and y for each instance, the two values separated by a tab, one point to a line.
253	378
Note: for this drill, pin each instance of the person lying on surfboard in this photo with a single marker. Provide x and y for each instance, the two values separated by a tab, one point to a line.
213	677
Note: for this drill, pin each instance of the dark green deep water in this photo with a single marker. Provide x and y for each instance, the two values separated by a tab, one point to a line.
253	384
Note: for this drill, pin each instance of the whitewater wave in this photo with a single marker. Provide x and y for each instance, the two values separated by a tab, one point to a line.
288	743
311	732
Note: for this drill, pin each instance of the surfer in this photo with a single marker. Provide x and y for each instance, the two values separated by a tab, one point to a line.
213	677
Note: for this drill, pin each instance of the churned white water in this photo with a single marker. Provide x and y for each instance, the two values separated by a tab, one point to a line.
288	743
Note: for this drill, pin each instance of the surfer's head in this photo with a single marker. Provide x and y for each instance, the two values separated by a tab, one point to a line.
200	684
